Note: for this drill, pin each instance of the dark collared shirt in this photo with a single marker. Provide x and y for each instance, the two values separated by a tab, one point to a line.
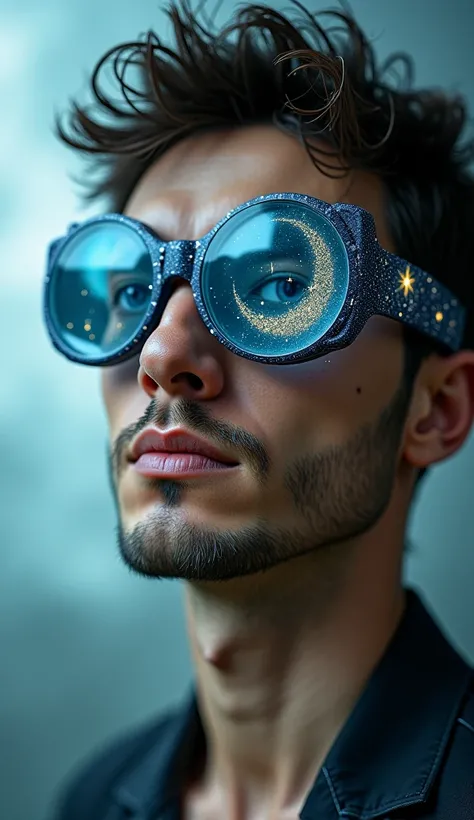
405	752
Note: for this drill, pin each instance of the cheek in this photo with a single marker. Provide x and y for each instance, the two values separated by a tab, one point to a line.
124	401
363	378
326	401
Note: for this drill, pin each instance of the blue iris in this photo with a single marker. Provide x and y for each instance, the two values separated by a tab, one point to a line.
136	296
284	288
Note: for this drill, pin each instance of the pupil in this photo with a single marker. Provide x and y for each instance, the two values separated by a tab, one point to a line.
288	288
133	291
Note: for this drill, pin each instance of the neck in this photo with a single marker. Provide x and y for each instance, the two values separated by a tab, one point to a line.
281	658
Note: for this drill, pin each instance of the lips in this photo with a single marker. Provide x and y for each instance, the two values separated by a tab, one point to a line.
176	441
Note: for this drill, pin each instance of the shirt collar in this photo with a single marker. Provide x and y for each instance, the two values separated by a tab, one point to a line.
387	754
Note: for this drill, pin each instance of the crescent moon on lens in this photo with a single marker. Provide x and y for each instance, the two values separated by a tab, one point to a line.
298	319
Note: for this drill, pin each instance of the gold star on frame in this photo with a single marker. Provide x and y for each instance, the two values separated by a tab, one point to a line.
406	281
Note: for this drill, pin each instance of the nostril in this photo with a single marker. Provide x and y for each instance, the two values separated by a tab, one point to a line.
194	381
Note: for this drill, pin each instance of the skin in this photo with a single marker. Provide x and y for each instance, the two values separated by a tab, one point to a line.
280	655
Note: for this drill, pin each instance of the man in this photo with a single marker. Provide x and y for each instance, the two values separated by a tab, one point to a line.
276	382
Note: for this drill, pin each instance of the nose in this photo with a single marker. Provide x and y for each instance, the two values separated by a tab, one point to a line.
181	356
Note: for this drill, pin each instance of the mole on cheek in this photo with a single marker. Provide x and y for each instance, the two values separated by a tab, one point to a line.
359	390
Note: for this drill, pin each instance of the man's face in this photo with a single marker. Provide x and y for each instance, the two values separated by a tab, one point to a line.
318	444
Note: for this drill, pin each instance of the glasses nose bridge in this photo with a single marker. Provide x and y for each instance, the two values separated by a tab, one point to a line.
177	260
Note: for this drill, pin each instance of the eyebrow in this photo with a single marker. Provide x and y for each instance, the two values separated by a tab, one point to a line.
152	221
174	213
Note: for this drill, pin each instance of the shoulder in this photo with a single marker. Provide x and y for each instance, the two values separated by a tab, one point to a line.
456	785
462	745
87	792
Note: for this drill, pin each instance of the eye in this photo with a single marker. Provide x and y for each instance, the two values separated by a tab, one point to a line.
286	288
131	297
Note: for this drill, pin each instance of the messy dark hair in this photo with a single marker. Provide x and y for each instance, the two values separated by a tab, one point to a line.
312	81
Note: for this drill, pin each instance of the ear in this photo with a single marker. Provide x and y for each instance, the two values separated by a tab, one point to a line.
442	409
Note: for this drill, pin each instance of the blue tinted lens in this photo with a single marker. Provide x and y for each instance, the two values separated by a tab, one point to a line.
275	277
100	288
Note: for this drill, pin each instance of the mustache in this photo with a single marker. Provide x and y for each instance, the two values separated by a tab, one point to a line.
198	419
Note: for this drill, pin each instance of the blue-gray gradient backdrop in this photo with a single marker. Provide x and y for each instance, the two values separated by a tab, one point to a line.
86	648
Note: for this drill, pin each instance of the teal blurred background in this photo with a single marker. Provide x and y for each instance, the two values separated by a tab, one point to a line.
87	649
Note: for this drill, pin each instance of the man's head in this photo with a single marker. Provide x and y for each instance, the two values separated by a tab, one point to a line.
325	448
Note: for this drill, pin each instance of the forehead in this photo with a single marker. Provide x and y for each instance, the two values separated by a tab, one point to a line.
190	188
